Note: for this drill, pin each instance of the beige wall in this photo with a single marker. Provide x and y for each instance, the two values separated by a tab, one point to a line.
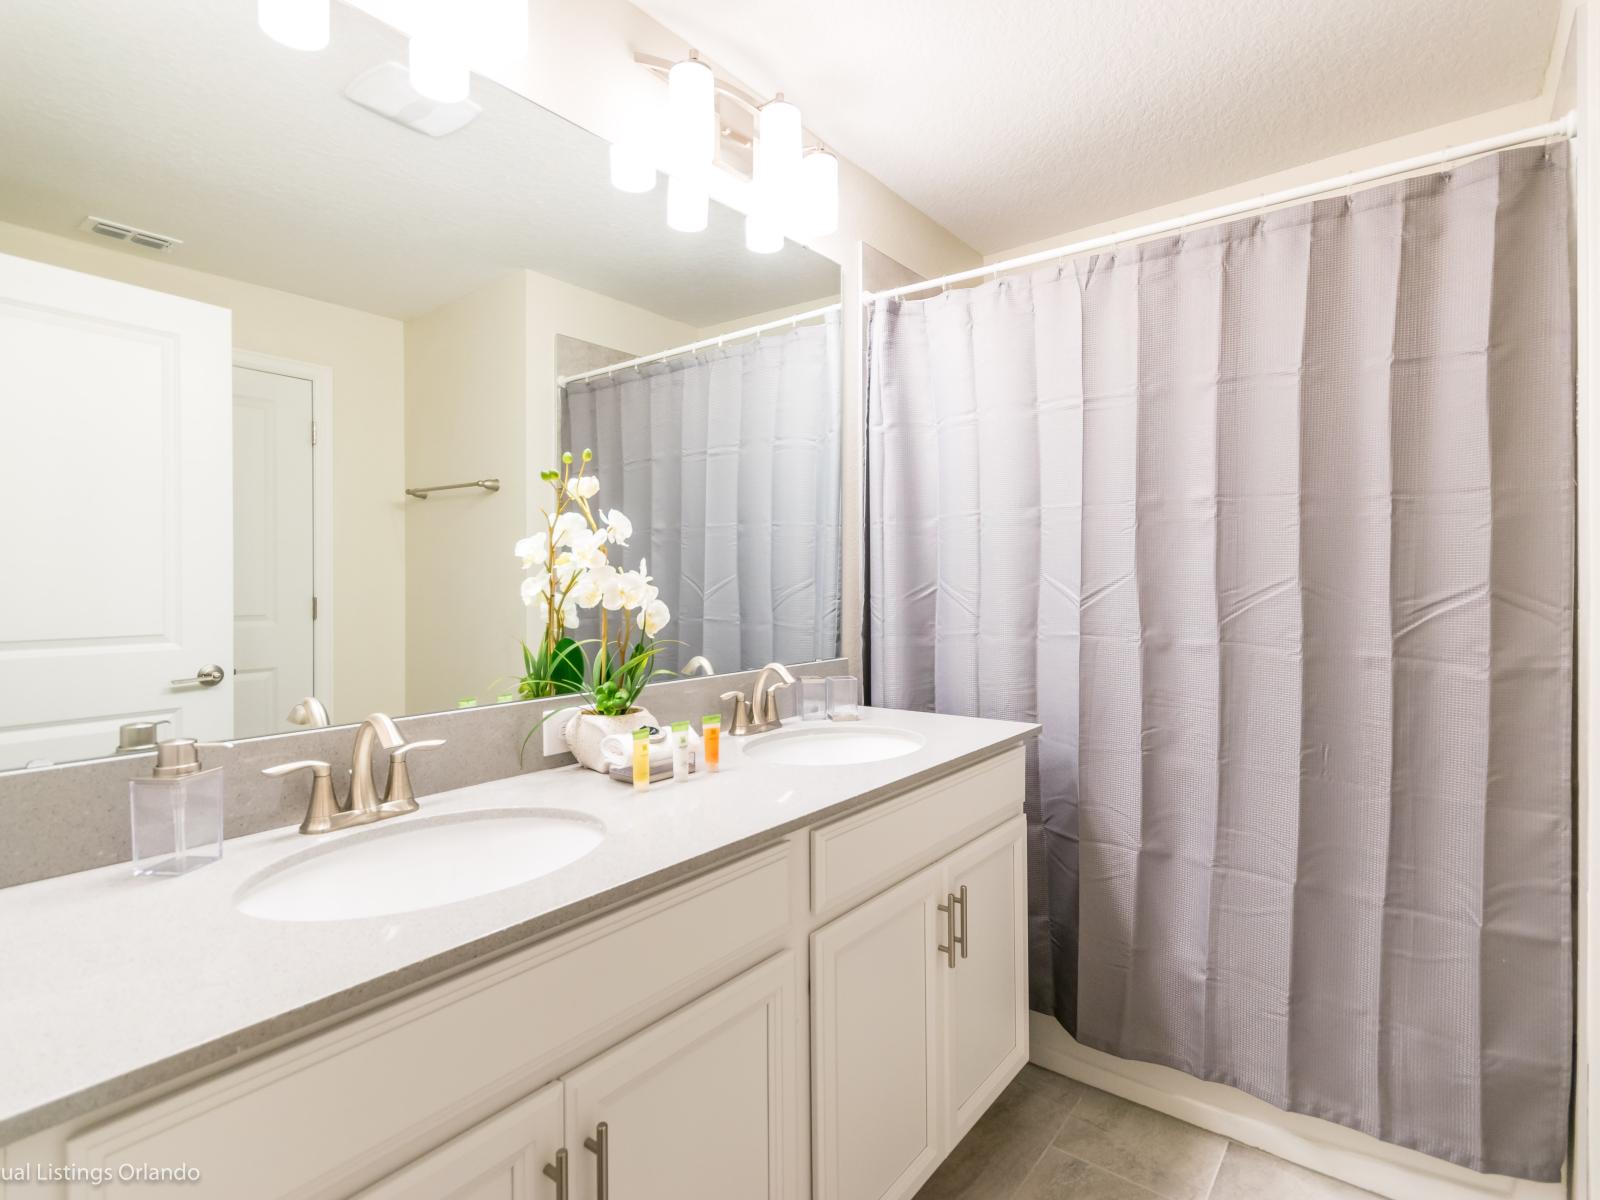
366	357
481	401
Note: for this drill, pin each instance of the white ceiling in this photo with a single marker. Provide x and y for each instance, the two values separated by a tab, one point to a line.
181	117
1010	121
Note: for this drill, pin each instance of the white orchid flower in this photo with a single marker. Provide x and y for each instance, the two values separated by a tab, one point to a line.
635	590
567	526
589	549
653	618
536	586
618	528
531	550
581	487
591	587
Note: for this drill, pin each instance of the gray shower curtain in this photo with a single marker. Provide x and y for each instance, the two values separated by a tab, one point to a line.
1272	527
727	463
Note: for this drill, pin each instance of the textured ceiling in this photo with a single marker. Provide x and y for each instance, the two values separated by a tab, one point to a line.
1009	121
180	116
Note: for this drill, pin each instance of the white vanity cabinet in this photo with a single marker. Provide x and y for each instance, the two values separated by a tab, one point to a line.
699	1104
919	1018
823	1017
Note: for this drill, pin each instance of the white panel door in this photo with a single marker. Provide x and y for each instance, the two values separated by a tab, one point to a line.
986	1009
501	1159
698	1105
116	458
272	549
875	993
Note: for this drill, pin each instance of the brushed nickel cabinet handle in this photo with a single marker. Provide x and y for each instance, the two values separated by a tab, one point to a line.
558	1171
600	1146
961	939
948	908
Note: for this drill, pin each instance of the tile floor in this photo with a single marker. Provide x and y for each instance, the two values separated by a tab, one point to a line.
1050	1138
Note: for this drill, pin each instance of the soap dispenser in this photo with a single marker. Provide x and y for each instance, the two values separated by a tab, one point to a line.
177	812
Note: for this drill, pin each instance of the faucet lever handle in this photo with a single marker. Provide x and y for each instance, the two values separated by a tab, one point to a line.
398	794
324	804
398	754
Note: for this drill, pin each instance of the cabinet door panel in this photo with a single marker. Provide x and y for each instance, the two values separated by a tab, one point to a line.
875	1134
501	1159
699	1104
986	1014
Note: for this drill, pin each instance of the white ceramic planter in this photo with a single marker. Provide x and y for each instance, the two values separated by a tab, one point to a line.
586	730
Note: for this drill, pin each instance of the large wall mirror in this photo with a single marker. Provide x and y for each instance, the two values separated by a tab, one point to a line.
257	332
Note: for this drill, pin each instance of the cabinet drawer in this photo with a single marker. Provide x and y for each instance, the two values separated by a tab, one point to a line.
344	1107
862	854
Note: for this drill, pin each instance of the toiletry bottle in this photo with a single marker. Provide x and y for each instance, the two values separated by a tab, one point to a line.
176	813
641	760
680	751
711	735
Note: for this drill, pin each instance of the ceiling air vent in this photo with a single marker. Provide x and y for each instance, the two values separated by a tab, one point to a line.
117	231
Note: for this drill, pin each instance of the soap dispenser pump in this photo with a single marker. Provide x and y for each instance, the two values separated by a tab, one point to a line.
177	812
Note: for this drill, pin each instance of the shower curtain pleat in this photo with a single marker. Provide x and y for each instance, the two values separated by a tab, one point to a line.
1271	526
727	462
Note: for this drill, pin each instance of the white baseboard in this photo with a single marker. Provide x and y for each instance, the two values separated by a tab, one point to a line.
1318	1145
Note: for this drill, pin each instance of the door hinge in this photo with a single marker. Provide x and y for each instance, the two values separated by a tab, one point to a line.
313	608
313	433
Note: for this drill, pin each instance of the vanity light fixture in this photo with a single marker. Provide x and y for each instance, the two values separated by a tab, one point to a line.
818	194
298	24
689	199
793	191
691	113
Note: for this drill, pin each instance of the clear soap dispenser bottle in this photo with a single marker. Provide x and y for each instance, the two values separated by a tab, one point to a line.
177	812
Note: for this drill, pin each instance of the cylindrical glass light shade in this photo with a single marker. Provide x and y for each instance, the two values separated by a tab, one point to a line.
298	24
689	200
632	169
777	153
762	235
438	67
691	114
818	195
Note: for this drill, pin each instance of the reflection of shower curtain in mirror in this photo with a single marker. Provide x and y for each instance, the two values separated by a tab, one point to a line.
1271	527
727	463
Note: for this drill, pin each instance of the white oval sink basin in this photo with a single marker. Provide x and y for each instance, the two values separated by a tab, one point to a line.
406	866
831	746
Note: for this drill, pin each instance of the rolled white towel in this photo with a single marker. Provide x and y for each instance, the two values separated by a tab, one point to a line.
618	749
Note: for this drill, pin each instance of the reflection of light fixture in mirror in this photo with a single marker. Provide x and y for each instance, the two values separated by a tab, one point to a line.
298	24
632	169
818	194
688	200
762	235
691	113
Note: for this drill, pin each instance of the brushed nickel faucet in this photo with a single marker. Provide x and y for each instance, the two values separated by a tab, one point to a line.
327	812
759	712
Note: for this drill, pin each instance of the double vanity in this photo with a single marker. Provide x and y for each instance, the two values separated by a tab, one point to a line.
804	975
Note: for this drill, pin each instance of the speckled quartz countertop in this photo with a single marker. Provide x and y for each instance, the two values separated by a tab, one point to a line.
115	984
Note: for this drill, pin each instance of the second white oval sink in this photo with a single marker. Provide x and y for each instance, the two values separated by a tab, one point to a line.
407	866
832	746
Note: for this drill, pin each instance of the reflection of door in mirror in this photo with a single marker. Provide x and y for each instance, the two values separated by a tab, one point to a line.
117	537
272	548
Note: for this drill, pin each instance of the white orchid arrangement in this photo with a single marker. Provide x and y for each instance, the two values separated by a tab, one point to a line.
569	573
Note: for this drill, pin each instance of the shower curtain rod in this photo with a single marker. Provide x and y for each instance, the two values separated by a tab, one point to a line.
563	380
1566	127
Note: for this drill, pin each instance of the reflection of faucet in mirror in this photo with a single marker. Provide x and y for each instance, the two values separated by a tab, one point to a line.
759	713
363	806
698	664
309	711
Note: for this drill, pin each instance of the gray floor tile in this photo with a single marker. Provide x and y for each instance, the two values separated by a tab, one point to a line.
995	1156
1250	1174
1174	1160
1059	1176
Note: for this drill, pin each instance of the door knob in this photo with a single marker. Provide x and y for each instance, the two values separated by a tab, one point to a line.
207	676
